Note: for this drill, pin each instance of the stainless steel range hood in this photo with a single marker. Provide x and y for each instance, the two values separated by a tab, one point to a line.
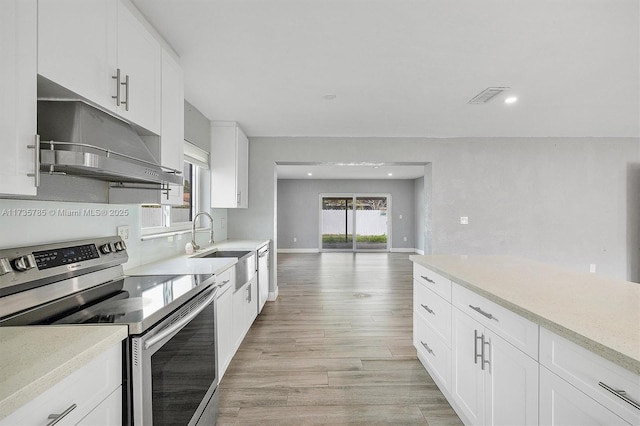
78	139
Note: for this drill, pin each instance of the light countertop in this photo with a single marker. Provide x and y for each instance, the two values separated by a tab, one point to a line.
34	358
189	264
598	313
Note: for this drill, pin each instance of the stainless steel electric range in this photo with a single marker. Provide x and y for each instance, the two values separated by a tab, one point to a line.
170	375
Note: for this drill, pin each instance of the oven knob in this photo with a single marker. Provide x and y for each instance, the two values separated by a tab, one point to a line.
123	245
24	263
112	247
5	266
105	249
119	246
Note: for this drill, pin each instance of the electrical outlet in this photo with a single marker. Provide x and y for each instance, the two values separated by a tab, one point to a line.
592	268
404	239
464	220
123	232
400	217
295	240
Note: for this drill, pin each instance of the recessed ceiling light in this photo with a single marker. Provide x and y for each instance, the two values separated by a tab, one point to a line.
389	174
511	100
329	97
309	174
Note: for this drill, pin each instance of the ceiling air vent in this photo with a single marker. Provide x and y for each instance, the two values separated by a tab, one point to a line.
487	94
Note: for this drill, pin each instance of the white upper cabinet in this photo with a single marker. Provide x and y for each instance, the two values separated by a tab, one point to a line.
18	44
139	62
100	51
229	166
172	139
77	47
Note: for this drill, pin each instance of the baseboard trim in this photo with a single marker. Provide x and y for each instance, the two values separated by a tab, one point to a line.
307	250
273	296
421	252
403	250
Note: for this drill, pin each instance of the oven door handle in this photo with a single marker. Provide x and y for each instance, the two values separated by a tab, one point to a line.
181	323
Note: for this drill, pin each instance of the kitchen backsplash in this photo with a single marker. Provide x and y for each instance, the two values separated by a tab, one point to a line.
26	222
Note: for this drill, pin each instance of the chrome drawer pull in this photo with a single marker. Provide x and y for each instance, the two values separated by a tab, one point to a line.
480	311
55	418
428	348
427	279
427	309
620	394
223	283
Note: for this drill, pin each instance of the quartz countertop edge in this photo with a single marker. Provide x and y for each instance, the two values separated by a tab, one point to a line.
460	269
35	358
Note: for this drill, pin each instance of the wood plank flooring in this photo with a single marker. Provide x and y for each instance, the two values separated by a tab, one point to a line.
335	348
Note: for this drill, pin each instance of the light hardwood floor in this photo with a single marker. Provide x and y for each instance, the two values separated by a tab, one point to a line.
335	348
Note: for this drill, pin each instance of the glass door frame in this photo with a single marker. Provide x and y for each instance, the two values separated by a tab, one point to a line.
354	196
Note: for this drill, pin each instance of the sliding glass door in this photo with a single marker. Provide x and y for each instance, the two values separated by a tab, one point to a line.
363	216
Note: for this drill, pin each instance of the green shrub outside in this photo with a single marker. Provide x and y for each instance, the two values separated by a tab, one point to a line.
339	238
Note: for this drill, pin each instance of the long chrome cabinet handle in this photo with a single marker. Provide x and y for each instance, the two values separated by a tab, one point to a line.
620	394
126	92
475	348
55	418
428	309
480	311
428	348
36	160
117	78
179	324
427	279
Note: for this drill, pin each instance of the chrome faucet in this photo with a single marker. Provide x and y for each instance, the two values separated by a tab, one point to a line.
193	230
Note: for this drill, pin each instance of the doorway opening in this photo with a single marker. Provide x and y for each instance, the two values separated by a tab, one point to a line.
354	222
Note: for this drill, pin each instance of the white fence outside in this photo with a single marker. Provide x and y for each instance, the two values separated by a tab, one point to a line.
370	222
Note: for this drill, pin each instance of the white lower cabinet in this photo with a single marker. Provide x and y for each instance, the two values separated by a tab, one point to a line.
580	387
493	382
81	398
224	321
563	404
245	310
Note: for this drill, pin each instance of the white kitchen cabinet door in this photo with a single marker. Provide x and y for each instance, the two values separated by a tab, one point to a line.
467	375
224	328
77	47
18	44
511	384
561	404
139	61
239	322
252	302
263	277
172	136
229	166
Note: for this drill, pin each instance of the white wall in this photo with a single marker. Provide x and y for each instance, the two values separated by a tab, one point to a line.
557	200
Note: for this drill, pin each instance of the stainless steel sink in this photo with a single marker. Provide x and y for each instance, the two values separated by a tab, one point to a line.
245	268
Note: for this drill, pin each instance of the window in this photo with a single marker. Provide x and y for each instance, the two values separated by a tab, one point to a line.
156	218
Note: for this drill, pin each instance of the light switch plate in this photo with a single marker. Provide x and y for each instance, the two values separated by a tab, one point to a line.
464	220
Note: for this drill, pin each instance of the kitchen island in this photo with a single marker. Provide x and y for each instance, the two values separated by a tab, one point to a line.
543	339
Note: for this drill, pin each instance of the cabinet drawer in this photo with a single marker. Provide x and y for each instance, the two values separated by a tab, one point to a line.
433	280
225	279
87	387
562	404
434	354
434	309
519	331
586	371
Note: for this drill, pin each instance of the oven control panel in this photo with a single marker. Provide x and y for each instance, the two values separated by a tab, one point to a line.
37	265
63	256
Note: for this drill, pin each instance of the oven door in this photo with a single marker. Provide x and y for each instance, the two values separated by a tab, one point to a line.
173	367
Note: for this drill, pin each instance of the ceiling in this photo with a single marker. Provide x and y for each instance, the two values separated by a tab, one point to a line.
407	68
